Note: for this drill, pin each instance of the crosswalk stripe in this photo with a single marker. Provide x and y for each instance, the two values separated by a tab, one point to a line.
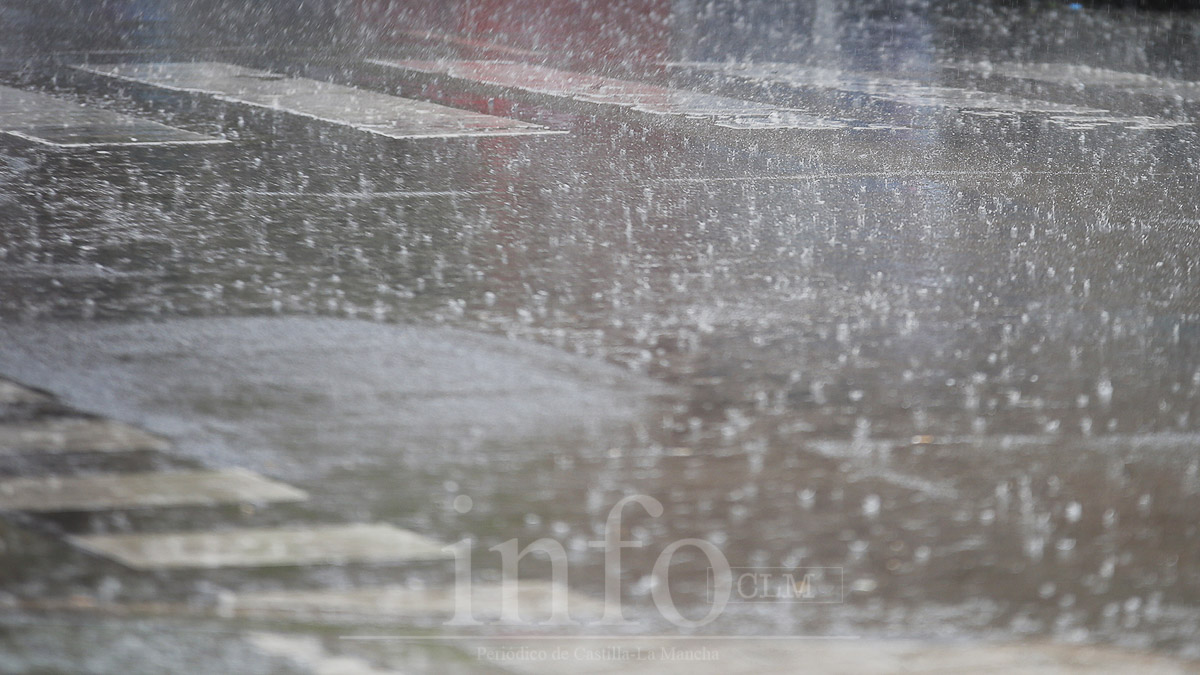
923	96
650	99
12	393
265	547
361	109
76	435
46	120
533	600
151	489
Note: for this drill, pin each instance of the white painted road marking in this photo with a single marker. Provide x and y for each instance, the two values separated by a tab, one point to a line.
534	600
76	435
12	393
317	545
651	99
47	120
922	96
152	489
361	109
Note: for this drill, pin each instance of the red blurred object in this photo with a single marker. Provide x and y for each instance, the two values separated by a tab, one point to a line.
560	31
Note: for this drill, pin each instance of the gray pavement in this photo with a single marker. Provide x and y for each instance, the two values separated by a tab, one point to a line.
900	301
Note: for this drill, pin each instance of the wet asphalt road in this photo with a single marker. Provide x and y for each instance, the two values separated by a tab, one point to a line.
959	358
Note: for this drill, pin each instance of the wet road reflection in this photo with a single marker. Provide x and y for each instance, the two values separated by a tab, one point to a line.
960	362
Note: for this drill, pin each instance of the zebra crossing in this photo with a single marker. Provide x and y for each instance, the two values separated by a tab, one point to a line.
59	429
65	124
298	545
234	547
309	649
649	99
